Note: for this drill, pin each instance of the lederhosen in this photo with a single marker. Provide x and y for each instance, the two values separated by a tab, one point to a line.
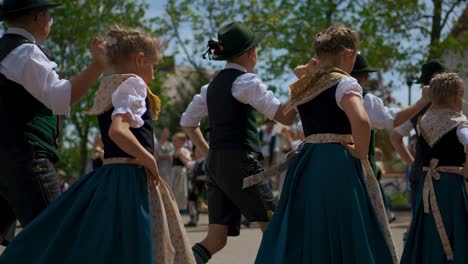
28	182
234	154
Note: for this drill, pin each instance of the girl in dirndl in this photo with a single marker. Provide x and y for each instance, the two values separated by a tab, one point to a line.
115	214
330	210
439	228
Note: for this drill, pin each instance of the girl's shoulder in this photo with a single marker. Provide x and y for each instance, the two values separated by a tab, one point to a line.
113	85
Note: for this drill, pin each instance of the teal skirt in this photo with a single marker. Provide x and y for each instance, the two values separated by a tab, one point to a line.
103	218
423	244
325	214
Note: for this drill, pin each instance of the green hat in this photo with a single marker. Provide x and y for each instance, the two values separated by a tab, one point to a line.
361	65
234	39
430	69
12	8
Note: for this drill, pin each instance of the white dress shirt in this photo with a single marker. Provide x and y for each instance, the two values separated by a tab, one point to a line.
28	66
247	88
380	116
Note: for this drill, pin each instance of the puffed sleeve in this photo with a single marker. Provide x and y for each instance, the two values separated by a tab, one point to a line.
129	98
348	85
249	89
462	133
196	110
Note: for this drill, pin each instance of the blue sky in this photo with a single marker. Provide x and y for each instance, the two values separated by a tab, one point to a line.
400	94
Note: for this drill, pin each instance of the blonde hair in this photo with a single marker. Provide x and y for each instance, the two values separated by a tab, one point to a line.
180	135
443	86
122	43
335	39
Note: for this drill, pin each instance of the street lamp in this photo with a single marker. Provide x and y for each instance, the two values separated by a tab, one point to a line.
409	81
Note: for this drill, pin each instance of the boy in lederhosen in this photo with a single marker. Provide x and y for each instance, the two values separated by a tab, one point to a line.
231	101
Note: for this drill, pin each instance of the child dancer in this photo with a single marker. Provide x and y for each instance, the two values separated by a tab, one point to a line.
231	101
105	217
329	213
439	228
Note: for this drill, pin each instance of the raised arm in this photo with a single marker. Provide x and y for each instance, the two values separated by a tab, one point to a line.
407	113
380	116
81	83
249	89
400	148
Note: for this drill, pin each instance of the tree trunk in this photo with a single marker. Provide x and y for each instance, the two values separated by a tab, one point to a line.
434	49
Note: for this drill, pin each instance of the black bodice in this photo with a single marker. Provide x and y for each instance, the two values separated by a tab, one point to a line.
143	134
448	150
323	115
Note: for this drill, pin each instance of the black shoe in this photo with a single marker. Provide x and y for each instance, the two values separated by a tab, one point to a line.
245	222
191	224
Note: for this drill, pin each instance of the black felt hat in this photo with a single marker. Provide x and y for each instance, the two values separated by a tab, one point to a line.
362	66
234	39
12	8
430	69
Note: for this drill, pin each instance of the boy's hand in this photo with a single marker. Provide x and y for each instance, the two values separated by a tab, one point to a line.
98	50
309	68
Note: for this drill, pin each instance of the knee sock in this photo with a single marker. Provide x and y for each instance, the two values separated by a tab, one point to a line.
201	253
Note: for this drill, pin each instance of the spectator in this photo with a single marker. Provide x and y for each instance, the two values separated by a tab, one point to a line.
178	179
269	144
164	152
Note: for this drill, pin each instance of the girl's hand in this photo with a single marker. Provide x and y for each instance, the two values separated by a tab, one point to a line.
309	68
98	50
300	71
152	168
464	172
352	149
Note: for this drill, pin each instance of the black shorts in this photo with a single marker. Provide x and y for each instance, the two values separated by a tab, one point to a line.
227	201
28	184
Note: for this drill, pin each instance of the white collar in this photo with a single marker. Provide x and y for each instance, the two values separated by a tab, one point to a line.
236	66
21	32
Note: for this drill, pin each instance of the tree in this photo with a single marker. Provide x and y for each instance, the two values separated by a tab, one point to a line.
69	41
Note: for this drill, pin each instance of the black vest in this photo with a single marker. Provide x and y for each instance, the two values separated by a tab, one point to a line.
322	115
144	134
232	124
448	150
23	114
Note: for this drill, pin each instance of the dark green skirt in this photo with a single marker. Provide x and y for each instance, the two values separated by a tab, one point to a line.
103	218
423	244
325	214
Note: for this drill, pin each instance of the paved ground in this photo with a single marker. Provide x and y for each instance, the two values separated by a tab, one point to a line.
242	249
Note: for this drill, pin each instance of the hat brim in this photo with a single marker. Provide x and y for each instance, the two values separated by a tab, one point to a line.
365	70
4	15
259	36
